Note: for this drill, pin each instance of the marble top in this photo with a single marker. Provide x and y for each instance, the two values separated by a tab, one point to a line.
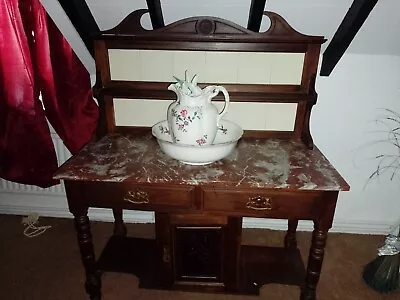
261	163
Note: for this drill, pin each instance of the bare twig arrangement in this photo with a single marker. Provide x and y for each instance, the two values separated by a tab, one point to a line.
389	162
382	273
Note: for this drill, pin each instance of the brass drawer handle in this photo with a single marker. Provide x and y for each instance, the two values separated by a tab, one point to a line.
137	197
259	203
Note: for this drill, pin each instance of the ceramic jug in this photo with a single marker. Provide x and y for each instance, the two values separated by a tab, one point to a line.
192	118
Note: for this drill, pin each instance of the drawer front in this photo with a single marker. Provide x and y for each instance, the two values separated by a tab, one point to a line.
139	197
262	203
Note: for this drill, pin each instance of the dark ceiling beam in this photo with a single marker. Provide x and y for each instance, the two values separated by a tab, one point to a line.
155	11
351	24
82	19
255	15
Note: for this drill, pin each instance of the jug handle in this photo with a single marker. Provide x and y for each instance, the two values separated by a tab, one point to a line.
217	89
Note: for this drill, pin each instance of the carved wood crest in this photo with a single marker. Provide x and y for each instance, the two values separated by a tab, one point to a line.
206	28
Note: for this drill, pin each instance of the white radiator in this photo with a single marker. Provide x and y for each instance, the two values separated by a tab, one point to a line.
58	190
21	199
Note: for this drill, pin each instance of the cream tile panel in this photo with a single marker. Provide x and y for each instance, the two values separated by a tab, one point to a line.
139	112
286	68
280	116
254	68
194	62
156	62
247	115
125	64
256	116
217	67
221	67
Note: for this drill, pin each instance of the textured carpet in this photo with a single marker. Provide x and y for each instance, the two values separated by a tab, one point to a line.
49	266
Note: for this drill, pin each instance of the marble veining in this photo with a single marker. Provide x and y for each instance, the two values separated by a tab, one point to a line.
270	163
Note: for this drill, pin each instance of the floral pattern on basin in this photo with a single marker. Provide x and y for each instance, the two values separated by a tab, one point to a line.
163	129
202	140
223	130
200	153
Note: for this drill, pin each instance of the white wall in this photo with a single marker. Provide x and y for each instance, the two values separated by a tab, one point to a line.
343	127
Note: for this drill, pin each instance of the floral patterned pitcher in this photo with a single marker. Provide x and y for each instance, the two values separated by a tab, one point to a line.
192	118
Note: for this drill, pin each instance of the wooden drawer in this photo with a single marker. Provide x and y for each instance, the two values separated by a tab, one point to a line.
262	203
139	197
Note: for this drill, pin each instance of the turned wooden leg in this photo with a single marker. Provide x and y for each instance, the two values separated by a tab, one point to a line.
93	280
290	238
119	226
315	259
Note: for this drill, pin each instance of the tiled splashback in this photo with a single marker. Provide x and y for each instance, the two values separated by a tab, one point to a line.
255	116
214	67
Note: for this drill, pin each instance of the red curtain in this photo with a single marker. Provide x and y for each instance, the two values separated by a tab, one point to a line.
35	58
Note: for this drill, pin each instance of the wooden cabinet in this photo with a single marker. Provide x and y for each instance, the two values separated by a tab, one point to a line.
273	172
205	250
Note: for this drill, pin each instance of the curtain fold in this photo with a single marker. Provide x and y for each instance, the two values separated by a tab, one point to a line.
66	92
35	58
26	150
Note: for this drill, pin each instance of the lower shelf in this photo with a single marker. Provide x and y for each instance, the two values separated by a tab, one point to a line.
135	256
259	265
263	265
